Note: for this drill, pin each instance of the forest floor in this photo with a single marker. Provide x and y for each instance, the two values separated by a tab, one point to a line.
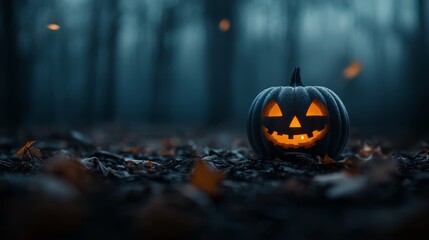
117	183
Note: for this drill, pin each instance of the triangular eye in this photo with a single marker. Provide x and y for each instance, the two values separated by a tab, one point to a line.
272	110
317	109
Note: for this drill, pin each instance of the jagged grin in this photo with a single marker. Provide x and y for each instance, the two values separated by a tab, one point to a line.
297	140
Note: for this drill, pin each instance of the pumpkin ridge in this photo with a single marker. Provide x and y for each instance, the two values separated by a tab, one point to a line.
337	134
344	118
256	104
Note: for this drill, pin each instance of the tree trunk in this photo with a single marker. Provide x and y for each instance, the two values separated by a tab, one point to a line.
14	84
293	11
111	68
92	58
419	74
161	80
221	51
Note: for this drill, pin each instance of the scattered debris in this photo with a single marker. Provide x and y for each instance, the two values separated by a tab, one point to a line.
180	187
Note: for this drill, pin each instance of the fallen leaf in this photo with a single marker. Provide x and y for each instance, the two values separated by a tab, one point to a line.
69	170
206	178
326	160
35	152
149	164
29	150
53	27
23	151
368	150
352	70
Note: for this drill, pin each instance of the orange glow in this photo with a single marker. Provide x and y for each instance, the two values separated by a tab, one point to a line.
352	70
295	123
224	25
299	140
205	178
272	110
368	150
53	27
317	109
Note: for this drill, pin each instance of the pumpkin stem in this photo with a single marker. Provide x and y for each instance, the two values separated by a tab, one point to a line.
295	80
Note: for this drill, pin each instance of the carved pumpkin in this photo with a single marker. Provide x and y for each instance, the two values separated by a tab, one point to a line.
295	118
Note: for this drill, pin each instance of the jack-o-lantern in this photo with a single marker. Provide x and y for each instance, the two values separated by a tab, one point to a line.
297	118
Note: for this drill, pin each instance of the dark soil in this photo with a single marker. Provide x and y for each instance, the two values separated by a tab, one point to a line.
116	183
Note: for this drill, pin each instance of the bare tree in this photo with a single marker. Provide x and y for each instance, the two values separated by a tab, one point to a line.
293	16
221	52
111	68
14	71
417	76
418	71
92	58
163	57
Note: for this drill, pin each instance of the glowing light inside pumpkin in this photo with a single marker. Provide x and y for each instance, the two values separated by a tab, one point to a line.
317	109
272	110
297	141
53	27
224	25
307	140
295	123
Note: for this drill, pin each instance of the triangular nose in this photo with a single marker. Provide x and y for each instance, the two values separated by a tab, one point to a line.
295	123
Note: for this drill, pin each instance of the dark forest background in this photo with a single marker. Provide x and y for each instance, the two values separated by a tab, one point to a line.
201	62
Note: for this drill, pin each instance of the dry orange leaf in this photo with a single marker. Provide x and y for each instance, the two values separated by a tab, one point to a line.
149	164
35	152
326	160
367	150
352	70
23	151
53	27
29	150
206	178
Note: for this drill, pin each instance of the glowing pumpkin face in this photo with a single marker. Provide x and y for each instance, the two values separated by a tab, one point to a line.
295	131
297	119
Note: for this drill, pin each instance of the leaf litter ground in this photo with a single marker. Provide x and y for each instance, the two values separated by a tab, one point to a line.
113	183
